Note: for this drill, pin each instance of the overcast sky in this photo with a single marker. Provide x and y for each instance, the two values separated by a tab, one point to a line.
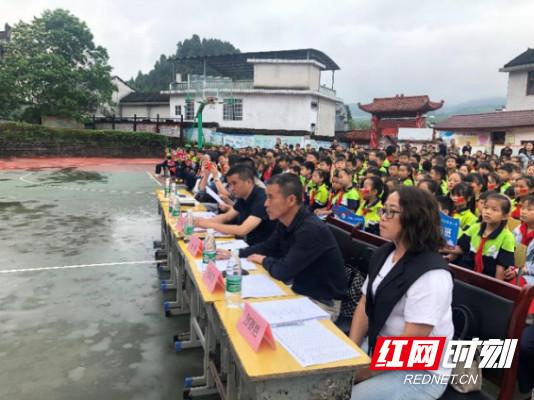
448	49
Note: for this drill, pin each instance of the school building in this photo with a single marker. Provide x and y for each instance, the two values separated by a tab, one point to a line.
256	98
514	125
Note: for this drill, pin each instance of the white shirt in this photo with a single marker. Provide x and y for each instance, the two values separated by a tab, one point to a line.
428	301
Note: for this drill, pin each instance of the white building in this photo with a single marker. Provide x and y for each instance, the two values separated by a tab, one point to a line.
520	82
275	92
515	126
127	103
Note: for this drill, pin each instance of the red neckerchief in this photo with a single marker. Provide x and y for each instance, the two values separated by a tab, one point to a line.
339	198
367	207
526	237
479	264
517	211
268	173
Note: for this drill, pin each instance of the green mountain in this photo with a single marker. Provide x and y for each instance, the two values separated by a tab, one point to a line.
164	69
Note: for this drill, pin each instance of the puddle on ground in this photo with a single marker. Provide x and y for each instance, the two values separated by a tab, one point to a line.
72	175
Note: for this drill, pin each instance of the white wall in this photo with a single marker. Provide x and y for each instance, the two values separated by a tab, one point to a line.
122	90
162	110
113	108
326	120
129	111
264	111
145	111
517	88
290	75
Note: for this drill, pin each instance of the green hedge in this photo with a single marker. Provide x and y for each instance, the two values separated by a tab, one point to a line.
20	139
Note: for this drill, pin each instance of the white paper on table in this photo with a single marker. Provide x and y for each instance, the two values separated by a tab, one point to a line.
290	311
232	245
214	195
222	264
312	343
186	200
201	214
259	286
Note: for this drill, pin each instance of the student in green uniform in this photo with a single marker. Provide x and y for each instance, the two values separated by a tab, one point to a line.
454	179
439	175
319	193
306	171
451	164
505	173
372	191
343	192
494	182
463	199
488	247
349	195
478	184
393	170
524	186
406	175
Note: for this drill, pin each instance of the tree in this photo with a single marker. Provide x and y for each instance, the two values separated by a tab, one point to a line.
52	67
163	72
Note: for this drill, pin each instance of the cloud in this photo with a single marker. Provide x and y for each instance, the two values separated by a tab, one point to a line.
451	50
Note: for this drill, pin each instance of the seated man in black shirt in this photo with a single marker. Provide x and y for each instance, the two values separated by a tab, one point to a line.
247	217
301	248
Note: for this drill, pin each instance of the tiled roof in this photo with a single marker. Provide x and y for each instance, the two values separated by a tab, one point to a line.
493	120
146	97
525	58
401	104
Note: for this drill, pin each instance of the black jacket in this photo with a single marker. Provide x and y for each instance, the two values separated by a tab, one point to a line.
396	283
307	253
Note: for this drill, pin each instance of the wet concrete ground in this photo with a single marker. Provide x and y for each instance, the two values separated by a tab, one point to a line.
95	332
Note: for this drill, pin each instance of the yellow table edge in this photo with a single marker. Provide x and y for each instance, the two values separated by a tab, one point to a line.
270	363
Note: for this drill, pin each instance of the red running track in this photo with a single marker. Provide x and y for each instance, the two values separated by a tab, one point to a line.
85	163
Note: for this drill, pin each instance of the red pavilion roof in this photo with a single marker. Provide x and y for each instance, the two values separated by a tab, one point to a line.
401	105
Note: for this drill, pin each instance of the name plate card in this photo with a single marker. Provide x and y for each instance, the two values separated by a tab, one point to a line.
254	328
213	278
195	246
180	224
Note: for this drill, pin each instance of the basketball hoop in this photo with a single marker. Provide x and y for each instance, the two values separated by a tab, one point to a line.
211	101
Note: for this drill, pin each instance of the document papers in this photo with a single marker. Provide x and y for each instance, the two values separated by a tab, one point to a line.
214	195
222	264
232	245
289	311
259	286
311	343
186	200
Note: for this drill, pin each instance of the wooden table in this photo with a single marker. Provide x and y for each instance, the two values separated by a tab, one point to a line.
275	374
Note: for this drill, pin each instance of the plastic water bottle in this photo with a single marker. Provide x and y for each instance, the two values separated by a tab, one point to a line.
173	187
176	206
209	249
167	187
233	281
189	225
171	202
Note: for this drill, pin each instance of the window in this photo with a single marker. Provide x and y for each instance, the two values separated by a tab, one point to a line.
177	110
189	109
233	109
530	83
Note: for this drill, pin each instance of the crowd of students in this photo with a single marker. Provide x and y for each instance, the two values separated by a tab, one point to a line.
269	197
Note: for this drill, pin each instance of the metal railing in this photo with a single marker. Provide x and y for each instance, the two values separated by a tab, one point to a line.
327	91
220	84
223	84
